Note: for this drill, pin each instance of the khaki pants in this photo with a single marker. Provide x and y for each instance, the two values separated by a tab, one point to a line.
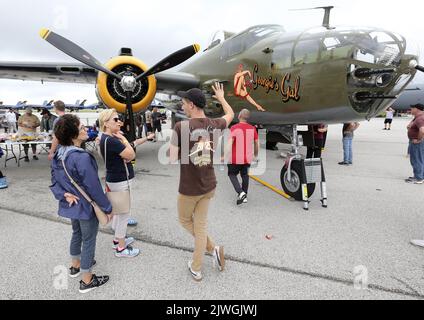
193	214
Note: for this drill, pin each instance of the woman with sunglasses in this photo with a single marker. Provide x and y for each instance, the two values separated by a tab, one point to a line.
119	174
82	168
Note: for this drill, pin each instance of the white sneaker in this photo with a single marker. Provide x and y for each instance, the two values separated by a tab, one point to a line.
241	197
419	243
245	200
218	257
128	241
128	252
197	275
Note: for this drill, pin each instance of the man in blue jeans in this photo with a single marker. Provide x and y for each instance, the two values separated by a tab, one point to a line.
416	144
348	129
416	151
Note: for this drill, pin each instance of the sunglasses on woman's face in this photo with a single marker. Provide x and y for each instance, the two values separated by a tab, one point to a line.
116	119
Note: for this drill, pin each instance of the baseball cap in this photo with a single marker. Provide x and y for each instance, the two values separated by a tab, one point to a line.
195	95
419	106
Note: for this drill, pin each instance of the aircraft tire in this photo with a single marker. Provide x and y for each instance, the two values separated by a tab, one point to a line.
294	188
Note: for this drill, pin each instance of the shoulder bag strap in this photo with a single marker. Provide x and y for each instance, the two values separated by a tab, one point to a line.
104	157
85	195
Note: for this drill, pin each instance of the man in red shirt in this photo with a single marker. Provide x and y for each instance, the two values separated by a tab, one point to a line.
244	138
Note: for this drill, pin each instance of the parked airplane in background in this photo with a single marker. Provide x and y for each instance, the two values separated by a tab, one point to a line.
19	106
81	106
413	94
46	105
75	106
319	75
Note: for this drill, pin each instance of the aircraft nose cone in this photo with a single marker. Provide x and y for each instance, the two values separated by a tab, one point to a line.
128	83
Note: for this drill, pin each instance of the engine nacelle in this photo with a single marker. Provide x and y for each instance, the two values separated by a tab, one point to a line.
110	92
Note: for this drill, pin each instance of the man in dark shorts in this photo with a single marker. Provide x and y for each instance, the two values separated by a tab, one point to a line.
148	122
389	118
59	109
157	122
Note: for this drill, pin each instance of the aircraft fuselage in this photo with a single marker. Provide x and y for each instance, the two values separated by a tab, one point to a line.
317	76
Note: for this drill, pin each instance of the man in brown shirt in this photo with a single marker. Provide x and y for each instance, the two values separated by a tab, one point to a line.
28	125
194	142
416	144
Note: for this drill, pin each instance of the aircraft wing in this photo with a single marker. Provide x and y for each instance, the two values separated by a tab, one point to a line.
168	82
47	71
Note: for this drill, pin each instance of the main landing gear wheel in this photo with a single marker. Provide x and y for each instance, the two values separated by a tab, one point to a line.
293	187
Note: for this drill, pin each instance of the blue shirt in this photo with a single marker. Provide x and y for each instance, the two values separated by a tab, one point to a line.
115	166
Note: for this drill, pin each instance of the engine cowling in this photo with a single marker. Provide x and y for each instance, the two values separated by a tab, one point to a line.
110	92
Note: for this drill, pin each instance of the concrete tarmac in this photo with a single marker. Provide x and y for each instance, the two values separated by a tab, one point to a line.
357	248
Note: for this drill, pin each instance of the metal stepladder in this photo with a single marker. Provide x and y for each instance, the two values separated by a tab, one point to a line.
312	171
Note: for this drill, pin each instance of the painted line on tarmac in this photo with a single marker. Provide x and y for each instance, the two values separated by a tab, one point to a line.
138	236
276	190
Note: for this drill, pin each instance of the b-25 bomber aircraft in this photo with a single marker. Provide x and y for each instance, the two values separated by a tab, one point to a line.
320	75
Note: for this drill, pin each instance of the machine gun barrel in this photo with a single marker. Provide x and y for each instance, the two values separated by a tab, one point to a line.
366	72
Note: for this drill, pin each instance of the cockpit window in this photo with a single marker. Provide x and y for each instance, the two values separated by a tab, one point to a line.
333	48
377	47
248	38
306	51
282	55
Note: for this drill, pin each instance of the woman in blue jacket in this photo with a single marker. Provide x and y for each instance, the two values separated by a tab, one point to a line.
82	167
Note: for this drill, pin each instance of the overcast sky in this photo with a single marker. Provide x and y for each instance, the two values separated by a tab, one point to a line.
156	28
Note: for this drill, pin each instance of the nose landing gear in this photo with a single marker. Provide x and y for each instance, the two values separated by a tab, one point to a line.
299	176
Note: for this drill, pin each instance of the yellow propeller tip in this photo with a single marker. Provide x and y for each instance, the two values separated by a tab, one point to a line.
44	33
196	47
